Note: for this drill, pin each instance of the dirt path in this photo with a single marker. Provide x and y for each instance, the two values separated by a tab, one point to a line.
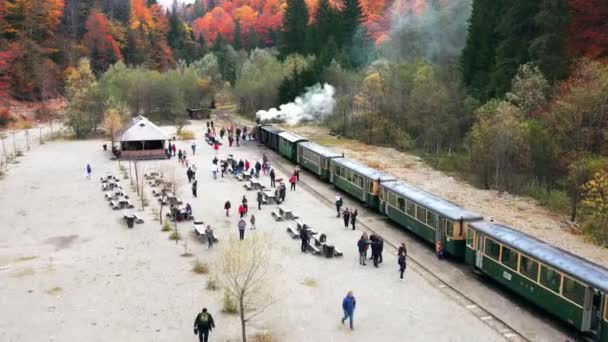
522	213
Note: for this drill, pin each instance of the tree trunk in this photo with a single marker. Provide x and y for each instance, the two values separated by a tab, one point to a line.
136	177
130	174
142	193
574	206
242	311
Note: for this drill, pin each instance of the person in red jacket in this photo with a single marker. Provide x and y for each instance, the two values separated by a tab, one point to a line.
247	165
242	210
293	180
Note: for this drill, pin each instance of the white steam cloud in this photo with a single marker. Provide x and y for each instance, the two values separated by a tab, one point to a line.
317	103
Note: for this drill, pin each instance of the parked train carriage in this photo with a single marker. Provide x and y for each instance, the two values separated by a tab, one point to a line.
358	180
288	145
436	220
270	137
565	285
315	158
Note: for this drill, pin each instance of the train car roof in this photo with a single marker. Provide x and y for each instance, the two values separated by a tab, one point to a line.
439	205
573	265
364	170
272	129
293	138
320	150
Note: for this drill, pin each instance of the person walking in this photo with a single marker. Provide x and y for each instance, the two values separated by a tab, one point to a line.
241	211
242	226
305	238
362	245
272	177
353	217
189	174
258	167
252	221
216	147
338	204
346	217
193	148
209	235
179	156
89	170
348	305
260	199
402	260
214	171
227	206
203	324
292	180
194	186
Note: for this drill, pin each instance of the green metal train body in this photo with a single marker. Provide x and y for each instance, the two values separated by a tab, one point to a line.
572	289
316	159
288	145
358	180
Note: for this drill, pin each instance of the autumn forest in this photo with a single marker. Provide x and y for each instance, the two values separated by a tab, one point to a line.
508	95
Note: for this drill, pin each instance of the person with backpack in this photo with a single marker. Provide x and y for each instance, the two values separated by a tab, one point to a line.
203	324
402	260
348	305
338	204
227	206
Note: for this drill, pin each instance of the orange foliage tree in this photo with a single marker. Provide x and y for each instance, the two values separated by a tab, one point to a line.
214	22
103	47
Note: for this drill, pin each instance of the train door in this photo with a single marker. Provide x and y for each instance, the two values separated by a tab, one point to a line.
592	311
440	236
479	250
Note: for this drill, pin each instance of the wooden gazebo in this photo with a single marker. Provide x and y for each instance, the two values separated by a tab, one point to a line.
143	140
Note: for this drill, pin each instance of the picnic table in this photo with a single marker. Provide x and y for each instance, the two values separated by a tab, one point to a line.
287	213
269	196
255	183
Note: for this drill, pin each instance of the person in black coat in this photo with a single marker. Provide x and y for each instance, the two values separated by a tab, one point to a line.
194	188
272	176
362	246
304	237
203	324
402	260
380	248
260	196
375	244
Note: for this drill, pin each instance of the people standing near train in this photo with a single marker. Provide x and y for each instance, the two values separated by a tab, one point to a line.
353	217
338	204
260	199
292	180
380	248
346	217
227	206
272	177
401	260
242	226
362	246
297	172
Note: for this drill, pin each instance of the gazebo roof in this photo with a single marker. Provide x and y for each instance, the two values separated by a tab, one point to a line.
143	129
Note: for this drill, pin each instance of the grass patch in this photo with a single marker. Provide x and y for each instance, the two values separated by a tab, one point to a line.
229	304
200	267
186	135
555	200
213	284
310	282
55	291
175	236
167	226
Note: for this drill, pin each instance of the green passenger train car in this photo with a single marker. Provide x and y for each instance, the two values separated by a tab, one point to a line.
428	216
288	145
569	287
270	137
358	180
316	158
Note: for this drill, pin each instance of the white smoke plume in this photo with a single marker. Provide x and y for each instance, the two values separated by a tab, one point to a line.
317	103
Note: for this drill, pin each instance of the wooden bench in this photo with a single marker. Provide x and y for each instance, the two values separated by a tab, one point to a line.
314	249
248	186
293	233
239	177
288	214
277	216
337	252
129	204
114	204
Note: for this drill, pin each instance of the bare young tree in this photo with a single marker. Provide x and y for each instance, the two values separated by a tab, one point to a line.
245	270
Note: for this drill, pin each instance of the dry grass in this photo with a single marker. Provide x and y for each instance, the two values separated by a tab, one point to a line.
310	282
55	291
200	267
186	135
213	283
175	236
167	226
229	304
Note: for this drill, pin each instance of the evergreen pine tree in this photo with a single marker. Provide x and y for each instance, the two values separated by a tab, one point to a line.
478	55
151	2
350	20
237	35
252	39
548	50
210	5
176	33
516	30
295	19
218	45
322	28
199	8
202	45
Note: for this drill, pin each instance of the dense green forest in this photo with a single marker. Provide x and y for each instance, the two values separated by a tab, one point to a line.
511	95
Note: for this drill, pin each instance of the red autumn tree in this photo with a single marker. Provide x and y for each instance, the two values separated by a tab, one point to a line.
589	28
103	48
214	22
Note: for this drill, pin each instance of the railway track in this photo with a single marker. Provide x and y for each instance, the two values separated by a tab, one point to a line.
475	308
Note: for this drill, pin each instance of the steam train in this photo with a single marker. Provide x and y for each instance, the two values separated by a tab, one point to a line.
572	289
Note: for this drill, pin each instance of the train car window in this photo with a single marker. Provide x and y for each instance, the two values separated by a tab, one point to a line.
491	249
550	278
431	219
470	237
509	258
392	199
449	228
411	209
528	267
421	214
401	204
574	291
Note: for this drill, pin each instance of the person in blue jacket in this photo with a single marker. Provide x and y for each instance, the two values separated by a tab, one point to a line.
348	305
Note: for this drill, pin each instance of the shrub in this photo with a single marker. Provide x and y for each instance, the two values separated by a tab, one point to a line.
554	200
175	236
167	226
186	135
212	283
229	304
200	267
596	229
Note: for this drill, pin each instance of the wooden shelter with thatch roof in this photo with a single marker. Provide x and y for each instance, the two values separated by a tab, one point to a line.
143	140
